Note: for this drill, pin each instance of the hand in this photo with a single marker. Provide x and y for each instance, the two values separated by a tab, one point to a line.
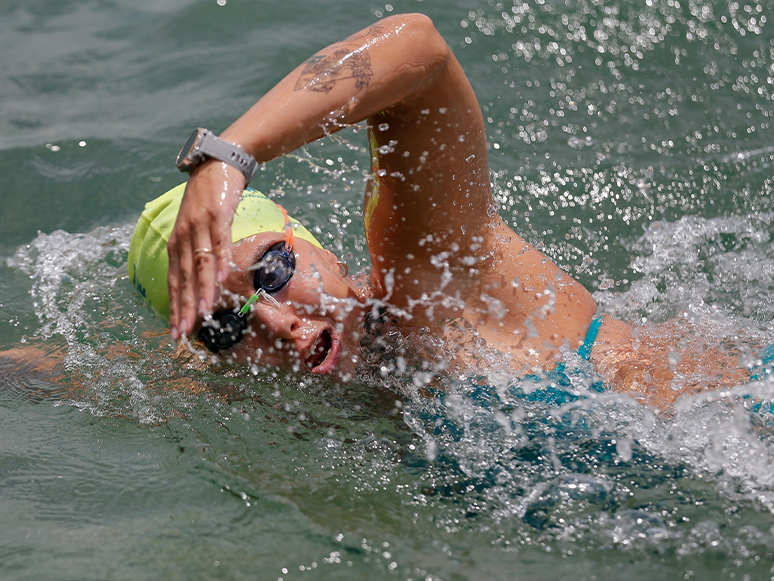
200	245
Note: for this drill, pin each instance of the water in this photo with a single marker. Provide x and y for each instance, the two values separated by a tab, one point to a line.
630	140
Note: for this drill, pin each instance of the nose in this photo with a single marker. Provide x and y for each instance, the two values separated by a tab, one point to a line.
280	322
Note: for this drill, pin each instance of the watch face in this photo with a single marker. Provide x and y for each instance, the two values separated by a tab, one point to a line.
183	158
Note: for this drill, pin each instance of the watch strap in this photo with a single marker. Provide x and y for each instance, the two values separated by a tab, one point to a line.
209	145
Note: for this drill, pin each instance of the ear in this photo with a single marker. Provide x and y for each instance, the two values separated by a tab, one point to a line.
330	255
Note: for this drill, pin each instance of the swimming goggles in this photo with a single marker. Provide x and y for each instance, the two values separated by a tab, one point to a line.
274	271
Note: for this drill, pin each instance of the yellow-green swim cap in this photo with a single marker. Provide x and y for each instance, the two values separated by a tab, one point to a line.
148	258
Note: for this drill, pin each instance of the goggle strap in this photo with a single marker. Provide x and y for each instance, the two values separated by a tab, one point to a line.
288	228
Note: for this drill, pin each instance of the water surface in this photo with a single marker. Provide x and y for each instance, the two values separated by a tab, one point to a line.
629	140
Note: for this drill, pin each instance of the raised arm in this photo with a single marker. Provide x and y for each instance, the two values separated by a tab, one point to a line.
380	73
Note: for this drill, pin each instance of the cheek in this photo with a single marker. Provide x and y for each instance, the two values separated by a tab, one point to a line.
323	298
327	280
313	277
307	290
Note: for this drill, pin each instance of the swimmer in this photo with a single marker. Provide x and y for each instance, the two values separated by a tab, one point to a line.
445	266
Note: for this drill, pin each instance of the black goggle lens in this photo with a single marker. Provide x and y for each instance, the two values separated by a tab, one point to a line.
226	328
277	266
223	331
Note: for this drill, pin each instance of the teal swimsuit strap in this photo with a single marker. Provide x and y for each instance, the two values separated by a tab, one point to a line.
759	372
591	336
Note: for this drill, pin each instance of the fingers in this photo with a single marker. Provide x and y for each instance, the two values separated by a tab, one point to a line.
191	278
182	291
221	241
173	283
204	267
199	247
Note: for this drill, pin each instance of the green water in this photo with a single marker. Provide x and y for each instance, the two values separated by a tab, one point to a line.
631	138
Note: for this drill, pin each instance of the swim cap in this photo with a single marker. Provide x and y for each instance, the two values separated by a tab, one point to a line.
148	258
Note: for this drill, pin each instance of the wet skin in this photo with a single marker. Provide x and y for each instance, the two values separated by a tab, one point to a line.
439	249
318	321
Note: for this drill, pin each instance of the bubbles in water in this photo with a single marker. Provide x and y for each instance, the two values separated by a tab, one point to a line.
80	292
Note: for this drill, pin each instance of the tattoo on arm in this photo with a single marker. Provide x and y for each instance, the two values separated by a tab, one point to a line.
323	71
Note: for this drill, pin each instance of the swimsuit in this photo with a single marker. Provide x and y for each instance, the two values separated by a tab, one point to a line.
760	372
559	378
591	336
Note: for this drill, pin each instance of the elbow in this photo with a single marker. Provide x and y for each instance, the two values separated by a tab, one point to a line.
419	33
422	26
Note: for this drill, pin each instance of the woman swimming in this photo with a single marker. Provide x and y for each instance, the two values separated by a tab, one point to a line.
443	261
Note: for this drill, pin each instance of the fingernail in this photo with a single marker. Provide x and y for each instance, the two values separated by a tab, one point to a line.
221	277
174	333
202	307
184	326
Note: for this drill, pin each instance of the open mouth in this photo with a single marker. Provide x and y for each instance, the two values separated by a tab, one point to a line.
319	360
324	354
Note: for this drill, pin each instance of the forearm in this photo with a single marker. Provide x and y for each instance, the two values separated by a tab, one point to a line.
385	67
377	68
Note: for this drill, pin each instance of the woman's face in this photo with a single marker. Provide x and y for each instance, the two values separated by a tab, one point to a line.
317	322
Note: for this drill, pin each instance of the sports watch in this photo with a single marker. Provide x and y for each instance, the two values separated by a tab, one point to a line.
203	143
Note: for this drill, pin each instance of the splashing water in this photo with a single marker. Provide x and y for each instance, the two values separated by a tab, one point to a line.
628	141
543	461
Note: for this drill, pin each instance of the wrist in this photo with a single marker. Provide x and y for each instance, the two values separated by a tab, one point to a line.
264	133
246	141
203	145
221	178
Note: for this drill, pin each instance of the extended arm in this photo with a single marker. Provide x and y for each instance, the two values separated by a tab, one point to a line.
381	69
